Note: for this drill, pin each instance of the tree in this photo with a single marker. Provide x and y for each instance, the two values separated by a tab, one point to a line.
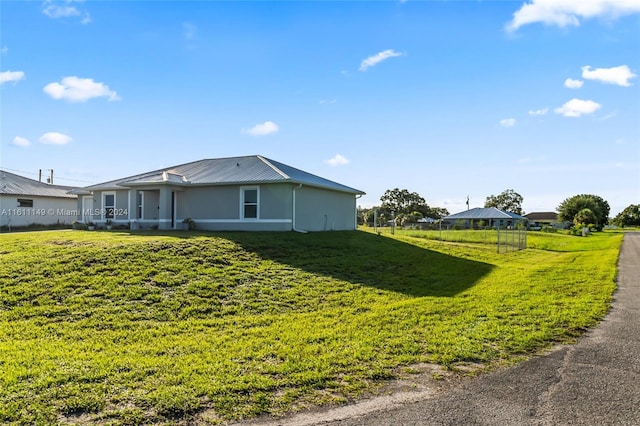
508	200
402	201
630	216
407	207
437	212
570	207
584	217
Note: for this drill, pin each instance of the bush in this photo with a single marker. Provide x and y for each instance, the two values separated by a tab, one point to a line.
191	224
79	225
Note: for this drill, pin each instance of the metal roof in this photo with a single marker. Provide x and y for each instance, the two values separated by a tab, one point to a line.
11	184
252	169
542	216
484	213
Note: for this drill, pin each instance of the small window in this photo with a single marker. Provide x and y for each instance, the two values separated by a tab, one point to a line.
140	205
109	206
24	202
250	203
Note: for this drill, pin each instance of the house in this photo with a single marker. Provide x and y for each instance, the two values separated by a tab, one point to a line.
25	202
479	217
249	193
546	219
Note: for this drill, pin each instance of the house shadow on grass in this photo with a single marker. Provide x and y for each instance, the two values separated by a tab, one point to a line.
367	259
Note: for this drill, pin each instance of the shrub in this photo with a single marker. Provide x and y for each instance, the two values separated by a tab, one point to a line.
191	224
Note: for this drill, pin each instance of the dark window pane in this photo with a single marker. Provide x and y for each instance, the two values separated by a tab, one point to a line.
250	196
251	212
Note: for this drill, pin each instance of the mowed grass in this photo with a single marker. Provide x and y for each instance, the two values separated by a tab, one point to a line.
139	328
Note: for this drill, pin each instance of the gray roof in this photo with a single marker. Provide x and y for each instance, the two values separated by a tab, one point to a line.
252	169
11	184
542	216
484	213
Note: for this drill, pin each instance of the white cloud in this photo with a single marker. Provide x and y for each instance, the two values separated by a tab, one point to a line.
616	75
75	89
377	58
508	122
190	30
57	10
55	138
338	160
18	141
537	112
327	101
565	13
4	50
7	76
263	129
573	84
577	108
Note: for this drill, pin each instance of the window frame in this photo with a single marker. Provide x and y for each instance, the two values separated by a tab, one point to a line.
25	202
105	208
140	205
244	203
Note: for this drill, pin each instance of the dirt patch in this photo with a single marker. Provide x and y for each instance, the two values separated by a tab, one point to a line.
412	383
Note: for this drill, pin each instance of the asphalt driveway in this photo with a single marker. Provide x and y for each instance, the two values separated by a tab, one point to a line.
594	382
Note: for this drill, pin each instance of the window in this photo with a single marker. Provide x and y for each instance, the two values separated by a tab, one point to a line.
24	202
109	205
140	204
250	198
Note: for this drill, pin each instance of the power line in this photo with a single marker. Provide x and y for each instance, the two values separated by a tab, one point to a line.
37	174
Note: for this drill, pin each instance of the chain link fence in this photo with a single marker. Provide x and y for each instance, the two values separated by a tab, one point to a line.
505	239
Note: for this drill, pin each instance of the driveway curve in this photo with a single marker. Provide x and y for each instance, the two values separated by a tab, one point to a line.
594	382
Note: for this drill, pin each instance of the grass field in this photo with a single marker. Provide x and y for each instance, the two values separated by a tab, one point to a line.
133	328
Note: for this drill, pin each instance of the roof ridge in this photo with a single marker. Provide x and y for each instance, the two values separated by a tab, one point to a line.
275	169
37	182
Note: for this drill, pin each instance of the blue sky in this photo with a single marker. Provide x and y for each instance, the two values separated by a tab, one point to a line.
446	99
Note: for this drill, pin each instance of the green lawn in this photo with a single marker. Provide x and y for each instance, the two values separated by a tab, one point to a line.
131	328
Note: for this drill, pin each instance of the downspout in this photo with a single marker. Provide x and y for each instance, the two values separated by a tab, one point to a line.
293	223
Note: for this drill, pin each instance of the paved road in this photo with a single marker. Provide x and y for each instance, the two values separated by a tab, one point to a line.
594	382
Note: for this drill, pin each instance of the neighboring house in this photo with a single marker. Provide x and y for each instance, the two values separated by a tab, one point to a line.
424	223
489	216
427	220
546	219
250	193
25	202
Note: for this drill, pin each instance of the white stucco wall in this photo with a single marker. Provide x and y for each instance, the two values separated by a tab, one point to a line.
45	211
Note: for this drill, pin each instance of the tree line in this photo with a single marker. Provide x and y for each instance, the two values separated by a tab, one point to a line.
406	208
403	207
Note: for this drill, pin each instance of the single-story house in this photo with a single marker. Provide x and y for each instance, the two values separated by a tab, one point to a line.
427	220
424	223
25	202
546	219
488	216
249	193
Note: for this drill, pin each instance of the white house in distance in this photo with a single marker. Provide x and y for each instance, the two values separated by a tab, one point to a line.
25	202
249	193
